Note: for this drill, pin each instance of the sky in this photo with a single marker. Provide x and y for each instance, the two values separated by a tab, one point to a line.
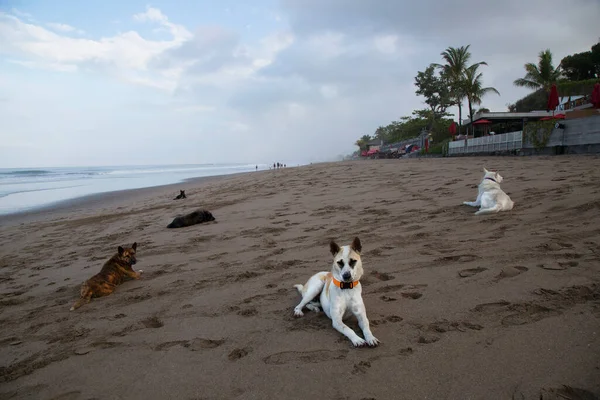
90	83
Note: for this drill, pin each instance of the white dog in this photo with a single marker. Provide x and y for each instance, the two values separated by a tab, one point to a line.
340	293
490	197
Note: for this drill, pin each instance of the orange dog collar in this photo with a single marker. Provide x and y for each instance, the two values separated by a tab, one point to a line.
345	285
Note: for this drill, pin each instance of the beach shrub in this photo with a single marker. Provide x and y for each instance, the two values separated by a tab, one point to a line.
437	148
538	133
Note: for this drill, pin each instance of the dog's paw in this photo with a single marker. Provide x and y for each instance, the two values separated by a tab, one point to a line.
298	312
358	342
313	307
373	341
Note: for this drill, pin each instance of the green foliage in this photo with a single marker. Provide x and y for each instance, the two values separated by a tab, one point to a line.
474	89
437	148
456	61
538	133
542	75
582	66
538	99
436	90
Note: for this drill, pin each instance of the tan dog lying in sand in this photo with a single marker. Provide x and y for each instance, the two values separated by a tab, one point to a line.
113	273
340	293
491	198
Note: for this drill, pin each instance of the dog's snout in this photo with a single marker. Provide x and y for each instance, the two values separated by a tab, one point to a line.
346	276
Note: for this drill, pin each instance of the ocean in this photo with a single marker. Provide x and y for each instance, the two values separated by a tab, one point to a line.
25	189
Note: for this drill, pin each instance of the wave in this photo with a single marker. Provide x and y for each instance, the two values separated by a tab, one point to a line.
158	170
28	172
6	194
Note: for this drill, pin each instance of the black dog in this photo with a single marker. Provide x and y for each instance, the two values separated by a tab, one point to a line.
196	217
181	195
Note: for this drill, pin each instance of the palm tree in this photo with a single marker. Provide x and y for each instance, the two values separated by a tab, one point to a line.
474	89
542	75
457	60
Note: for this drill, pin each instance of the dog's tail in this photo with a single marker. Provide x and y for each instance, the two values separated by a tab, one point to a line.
299	287
86	296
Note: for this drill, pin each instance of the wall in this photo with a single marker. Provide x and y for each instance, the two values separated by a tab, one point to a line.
580	135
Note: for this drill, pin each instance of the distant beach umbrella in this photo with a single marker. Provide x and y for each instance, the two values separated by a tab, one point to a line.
552	99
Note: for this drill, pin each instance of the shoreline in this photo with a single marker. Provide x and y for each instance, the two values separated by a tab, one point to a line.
106	199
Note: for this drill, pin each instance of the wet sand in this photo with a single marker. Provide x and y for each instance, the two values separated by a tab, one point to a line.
467	307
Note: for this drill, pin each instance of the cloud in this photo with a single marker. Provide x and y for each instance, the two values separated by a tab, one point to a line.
63	28
303	83
21	14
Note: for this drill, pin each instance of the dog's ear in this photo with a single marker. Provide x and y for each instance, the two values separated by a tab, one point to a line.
356	245
134	245
334	248
485	171
120	249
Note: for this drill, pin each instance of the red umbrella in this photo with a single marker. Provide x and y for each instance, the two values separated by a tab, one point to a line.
482	121
552	99
452	128
596	96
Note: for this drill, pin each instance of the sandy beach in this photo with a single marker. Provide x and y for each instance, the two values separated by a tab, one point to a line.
466	307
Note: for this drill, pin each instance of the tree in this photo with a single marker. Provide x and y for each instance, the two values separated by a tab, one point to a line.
582	66
362	142
474	89
542	75
436	90
482	110
457	60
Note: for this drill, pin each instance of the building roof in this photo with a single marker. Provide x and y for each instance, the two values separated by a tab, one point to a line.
508	116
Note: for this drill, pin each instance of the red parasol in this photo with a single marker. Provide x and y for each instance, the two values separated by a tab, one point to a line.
557	116
596	96
482	121
552	99
452	128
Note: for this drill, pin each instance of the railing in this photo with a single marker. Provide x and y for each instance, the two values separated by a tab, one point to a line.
487	144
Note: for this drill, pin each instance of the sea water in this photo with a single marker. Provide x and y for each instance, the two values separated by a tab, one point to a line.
26	189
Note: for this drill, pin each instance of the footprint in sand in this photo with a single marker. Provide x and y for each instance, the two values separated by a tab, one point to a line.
466	273
391	318
463	258
73	395
361	367
201	344
236	354
511	272
152	322
305	357
382	276
566	392
527	313
248	312
412	295
494	306
168	345
559	266
389	288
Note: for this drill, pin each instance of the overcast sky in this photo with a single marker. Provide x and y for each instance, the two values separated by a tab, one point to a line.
129	82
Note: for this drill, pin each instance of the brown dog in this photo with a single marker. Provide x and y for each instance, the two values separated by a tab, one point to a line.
113	273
